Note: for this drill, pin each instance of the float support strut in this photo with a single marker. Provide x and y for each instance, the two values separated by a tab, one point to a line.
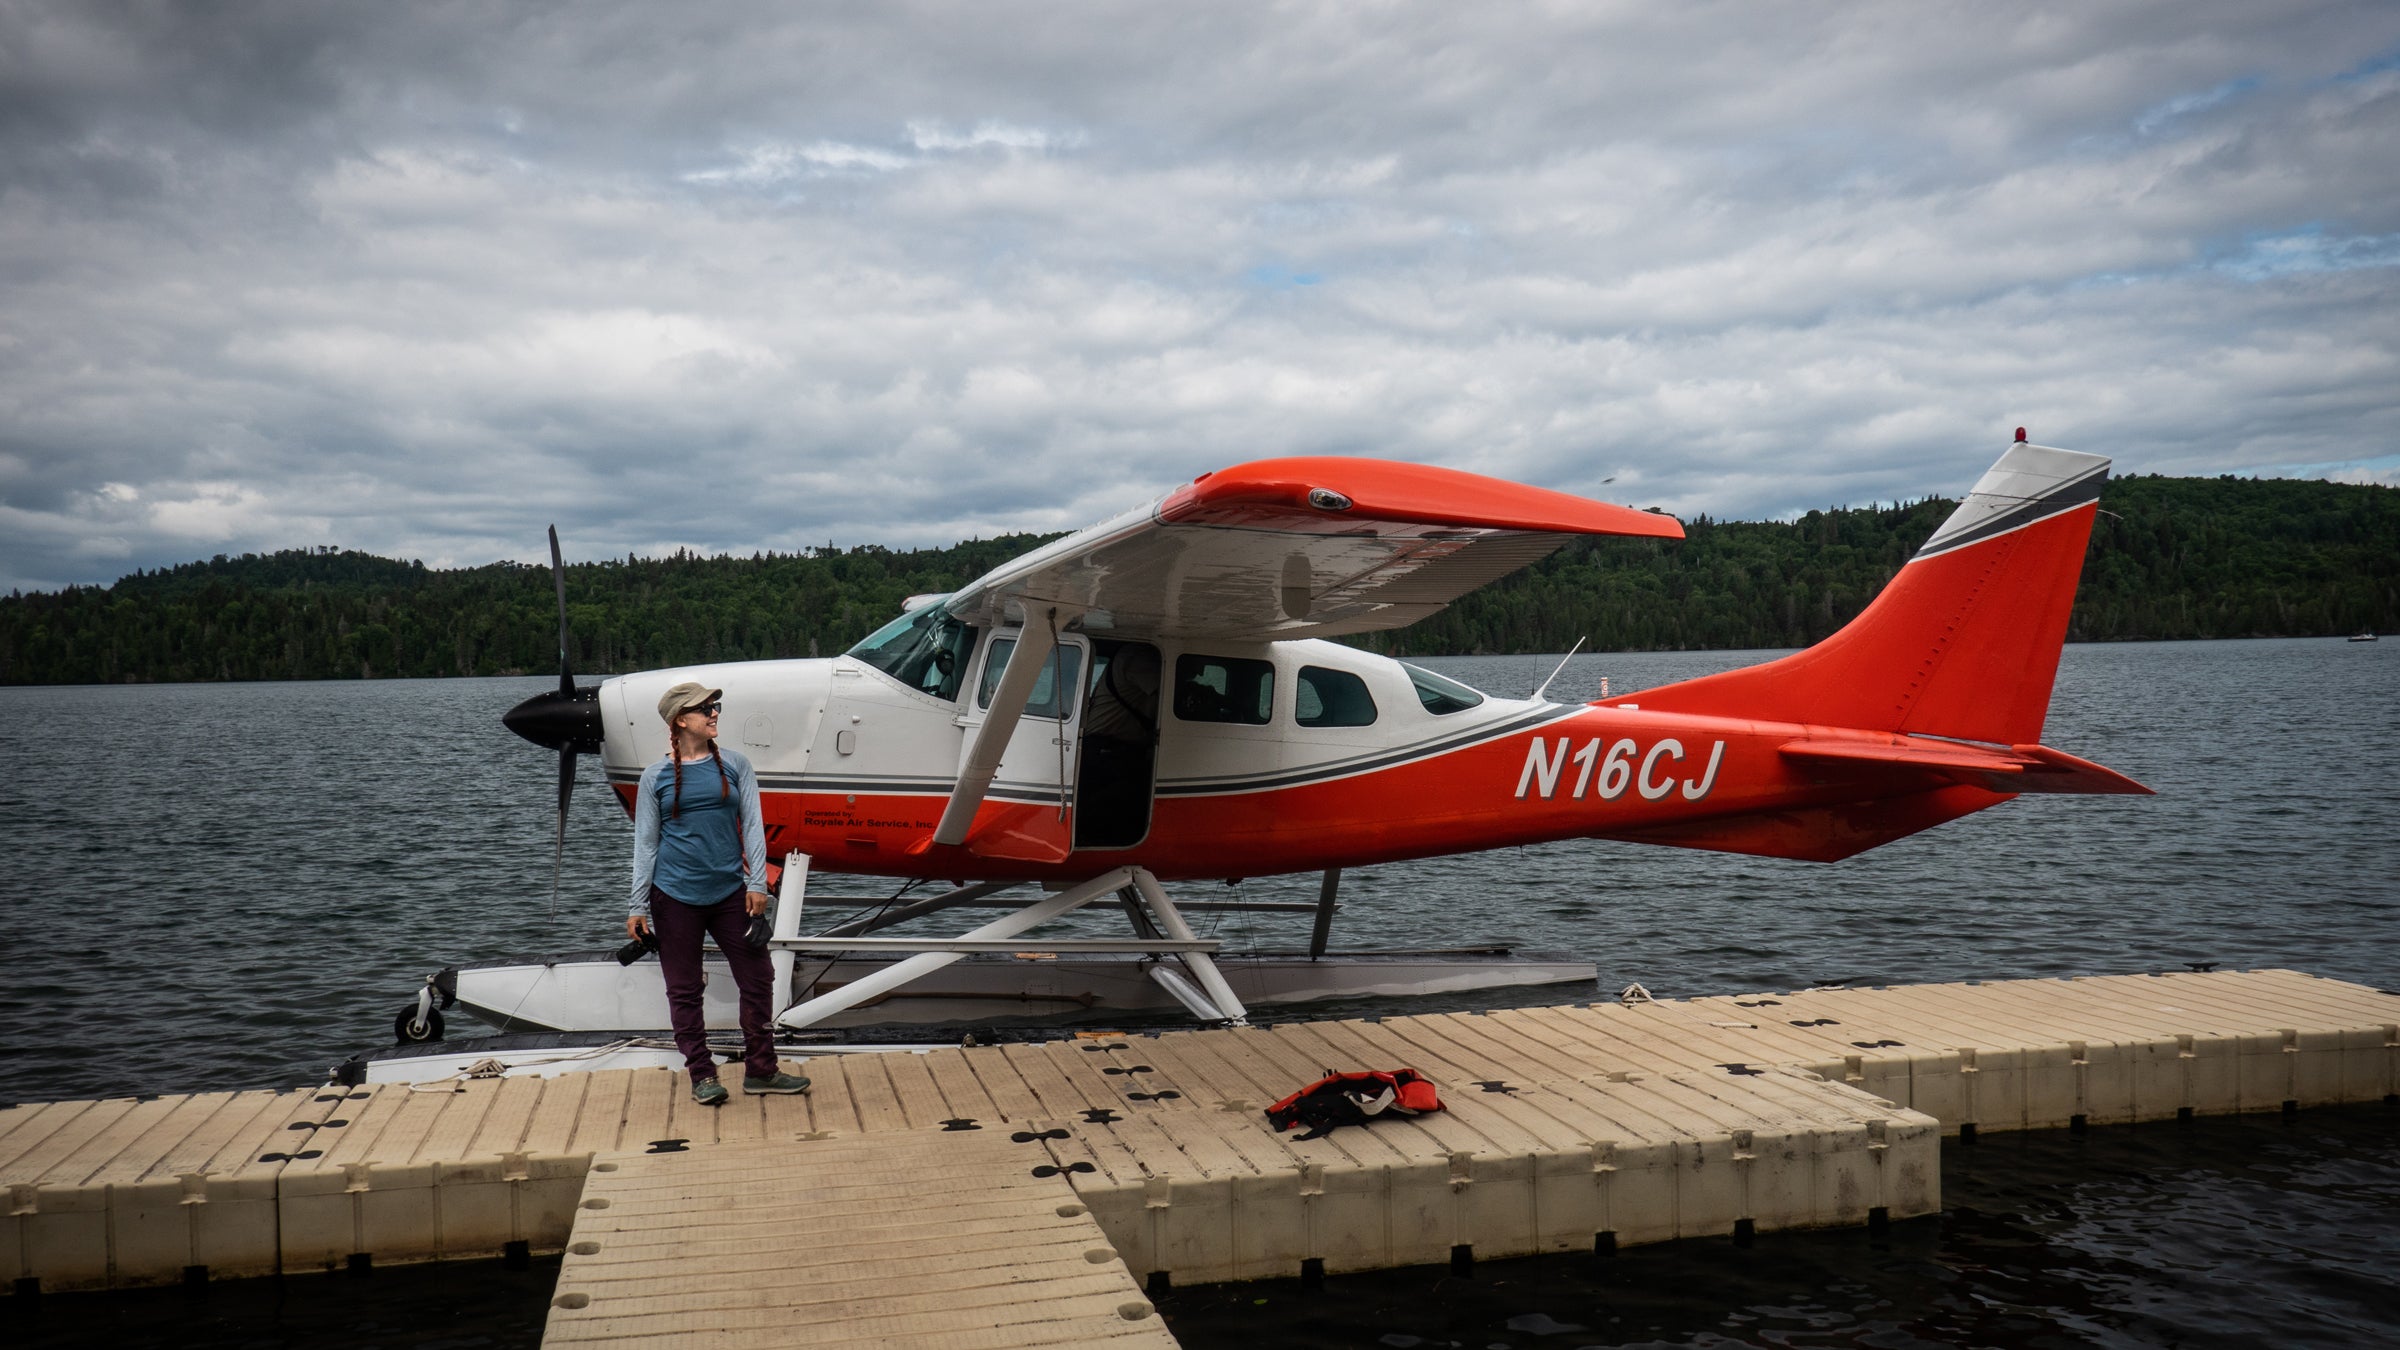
790	897
1212	980
1331	887
900	973
964	895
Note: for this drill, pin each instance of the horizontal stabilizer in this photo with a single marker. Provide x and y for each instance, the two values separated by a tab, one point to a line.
2019	768
1820	833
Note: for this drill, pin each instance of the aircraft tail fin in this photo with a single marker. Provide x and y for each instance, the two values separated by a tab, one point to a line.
1964	642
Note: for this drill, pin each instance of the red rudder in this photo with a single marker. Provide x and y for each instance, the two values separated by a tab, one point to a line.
1964	643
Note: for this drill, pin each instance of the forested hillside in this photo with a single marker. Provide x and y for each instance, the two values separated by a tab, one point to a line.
2170	558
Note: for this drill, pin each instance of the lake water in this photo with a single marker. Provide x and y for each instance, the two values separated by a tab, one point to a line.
217	886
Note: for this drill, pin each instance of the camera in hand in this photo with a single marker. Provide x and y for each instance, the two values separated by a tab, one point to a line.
634	951
761	928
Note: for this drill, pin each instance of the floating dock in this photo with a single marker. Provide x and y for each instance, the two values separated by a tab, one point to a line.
913	1238
1029	1194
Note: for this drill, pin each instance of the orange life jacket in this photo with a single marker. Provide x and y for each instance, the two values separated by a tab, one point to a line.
1340	1099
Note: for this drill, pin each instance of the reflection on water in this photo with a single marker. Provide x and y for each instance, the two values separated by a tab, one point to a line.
214	886
457	1305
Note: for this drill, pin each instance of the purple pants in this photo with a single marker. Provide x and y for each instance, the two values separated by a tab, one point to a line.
679	928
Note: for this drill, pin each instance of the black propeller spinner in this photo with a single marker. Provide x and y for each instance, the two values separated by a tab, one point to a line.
565	719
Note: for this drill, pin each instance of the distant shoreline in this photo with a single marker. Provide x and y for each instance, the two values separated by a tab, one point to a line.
2171	559
1587	653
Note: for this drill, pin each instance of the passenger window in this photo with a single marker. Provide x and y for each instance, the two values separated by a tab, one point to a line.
1332	698
1065	659
1224	689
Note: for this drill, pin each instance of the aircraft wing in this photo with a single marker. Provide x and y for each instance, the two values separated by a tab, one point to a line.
1292	548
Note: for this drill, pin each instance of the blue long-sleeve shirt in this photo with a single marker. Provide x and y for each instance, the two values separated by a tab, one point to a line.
712	848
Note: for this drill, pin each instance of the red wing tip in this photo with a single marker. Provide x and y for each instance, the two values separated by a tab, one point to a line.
1334	488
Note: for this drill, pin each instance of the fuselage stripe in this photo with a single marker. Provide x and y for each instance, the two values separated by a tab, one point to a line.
1202	787
900	786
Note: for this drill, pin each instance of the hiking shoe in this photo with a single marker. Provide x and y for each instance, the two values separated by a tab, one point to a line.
780	1082
709	1092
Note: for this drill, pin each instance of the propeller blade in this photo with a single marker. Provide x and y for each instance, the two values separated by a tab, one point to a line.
558	850
558	574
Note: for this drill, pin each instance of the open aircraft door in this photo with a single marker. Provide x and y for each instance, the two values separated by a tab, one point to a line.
1028	811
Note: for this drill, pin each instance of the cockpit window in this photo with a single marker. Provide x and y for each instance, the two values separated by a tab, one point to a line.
1440	693
925	649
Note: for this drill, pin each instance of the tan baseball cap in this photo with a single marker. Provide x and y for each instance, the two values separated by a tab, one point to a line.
683	698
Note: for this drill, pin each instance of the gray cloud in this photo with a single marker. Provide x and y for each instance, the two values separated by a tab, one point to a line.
420	279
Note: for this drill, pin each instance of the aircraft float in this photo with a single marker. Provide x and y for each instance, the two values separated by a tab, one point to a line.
1154	702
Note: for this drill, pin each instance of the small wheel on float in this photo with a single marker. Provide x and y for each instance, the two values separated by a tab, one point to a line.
414	1025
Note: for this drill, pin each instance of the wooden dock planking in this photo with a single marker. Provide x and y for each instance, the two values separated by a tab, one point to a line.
964	1095
989	1067
600	1121
507	1118
66	1224
1639	1122
946	1238
2143	1040
65	1127
651	1096
1207	1082
185	1132
873	1098
921	1102
557	1111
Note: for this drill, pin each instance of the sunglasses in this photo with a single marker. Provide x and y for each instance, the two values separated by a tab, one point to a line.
705	709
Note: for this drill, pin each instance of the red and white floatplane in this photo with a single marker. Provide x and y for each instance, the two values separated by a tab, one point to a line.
1153	702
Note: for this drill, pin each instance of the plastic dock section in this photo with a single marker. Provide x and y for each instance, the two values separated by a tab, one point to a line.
915	1238
1027	1194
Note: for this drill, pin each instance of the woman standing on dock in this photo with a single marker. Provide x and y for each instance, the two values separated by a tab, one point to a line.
700	866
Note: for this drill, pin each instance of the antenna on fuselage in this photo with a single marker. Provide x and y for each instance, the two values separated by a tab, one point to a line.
1541	688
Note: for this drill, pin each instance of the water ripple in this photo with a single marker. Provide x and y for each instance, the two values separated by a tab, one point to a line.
218	886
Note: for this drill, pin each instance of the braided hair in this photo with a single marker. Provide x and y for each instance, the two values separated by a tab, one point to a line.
675	757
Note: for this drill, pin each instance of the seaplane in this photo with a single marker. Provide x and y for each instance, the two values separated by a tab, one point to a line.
1156	702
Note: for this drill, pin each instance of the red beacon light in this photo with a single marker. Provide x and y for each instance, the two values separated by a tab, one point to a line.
2020	435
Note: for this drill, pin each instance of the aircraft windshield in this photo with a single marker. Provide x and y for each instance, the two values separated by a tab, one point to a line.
1440	693
925	649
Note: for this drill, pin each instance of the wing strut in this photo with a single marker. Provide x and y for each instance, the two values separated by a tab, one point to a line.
1034	644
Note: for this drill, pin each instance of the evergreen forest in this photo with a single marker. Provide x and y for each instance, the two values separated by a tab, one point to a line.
2170	558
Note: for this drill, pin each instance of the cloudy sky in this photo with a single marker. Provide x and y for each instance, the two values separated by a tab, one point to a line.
419	279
